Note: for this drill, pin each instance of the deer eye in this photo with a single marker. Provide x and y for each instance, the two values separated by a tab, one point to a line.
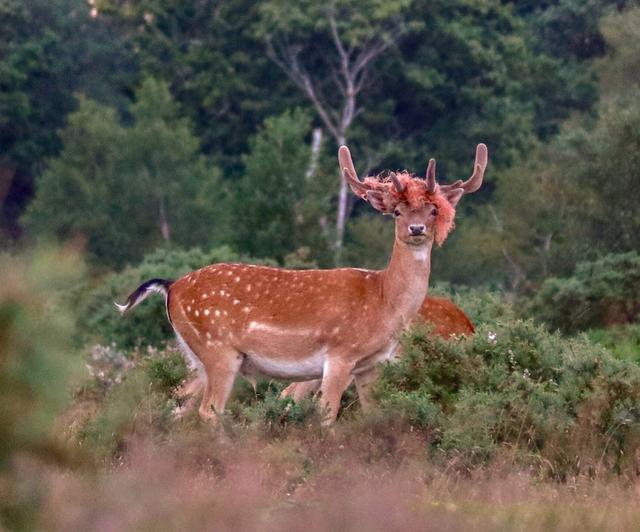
434	211
396	213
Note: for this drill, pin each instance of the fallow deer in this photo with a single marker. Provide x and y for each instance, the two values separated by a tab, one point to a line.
335	324
445	318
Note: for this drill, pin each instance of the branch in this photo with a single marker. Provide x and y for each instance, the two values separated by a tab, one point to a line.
344	55
287	60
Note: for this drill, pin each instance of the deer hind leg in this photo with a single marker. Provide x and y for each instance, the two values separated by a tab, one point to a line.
221	368
299	390
364	381
335	379
189	391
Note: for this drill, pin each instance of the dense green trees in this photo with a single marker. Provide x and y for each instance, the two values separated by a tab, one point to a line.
164	83
49	50
126	189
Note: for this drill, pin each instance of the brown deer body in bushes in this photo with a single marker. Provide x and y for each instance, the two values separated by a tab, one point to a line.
444	316
334	325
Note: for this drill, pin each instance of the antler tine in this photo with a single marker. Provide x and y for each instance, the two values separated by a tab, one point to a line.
431	176
349	173
396	182
475	181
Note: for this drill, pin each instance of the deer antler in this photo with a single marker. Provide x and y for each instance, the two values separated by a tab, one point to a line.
431	176
396	182
349	173
475	181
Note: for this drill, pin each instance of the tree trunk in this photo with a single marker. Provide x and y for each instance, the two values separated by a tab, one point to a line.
165	228
316	144
341	218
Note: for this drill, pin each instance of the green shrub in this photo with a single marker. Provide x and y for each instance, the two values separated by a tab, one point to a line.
142	403
264	410
622	340
602	292
99	320
567	403
481	304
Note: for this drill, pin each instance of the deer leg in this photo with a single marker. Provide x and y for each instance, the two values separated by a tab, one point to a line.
299	390
221	369
190	389
364	381
335	379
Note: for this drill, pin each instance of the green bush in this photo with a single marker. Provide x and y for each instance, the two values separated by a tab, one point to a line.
142	403
565	402
99	320
622	340
481	304
37	361
602	292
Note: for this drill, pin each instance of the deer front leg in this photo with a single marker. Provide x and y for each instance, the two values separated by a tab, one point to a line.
335	379
221	368
364	381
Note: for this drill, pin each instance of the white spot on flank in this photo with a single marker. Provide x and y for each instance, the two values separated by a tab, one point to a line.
222	292
208	335
245	309
237	278
236	301
206	312
248	288
217	313
197	313
188	308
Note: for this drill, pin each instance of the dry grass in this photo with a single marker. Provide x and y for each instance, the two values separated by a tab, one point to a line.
206	479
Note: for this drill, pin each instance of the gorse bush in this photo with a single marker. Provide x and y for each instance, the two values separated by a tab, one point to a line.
565	402
622	340
480	304
601	292
99	320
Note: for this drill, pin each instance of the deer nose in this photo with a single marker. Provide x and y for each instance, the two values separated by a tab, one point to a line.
417	229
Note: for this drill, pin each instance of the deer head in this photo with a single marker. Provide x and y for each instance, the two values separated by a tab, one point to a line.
424	211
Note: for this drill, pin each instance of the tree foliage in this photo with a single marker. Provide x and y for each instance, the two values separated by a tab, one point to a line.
126	189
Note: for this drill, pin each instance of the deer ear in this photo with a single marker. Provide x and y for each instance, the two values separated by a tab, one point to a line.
381	201
454	195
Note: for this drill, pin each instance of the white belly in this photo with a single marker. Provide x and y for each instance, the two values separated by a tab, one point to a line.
310	367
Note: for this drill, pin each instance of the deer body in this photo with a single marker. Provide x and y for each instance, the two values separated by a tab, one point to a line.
446	319
331	324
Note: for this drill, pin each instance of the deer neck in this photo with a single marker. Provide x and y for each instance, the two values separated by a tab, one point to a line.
406	280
